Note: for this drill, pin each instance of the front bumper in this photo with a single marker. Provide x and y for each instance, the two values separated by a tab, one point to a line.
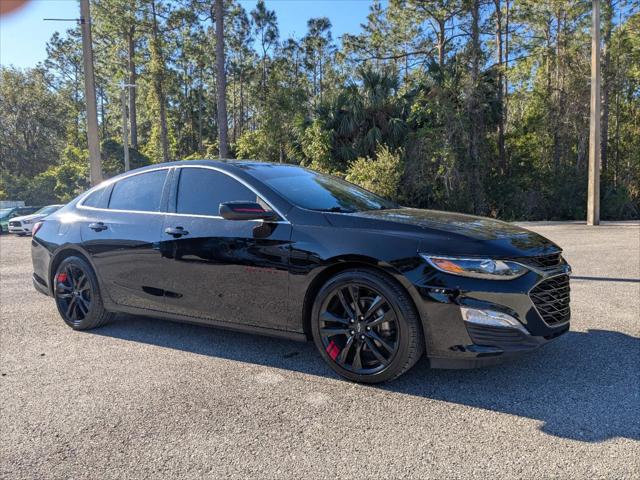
491	346
454	343
22	228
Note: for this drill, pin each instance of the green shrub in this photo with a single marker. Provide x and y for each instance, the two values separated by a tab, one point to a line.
316	147
381	175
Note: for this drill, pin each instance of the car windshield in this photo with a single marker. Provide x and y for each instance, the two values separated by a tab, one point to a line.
315	191
47	210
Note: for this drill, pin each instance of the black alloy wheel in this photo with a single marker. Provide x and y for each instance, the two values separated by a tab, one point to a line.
366	327
359	329
73	292
77	296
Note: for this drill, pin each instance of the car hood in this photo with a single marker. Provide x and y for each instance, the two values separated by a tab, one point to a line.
28	217
452	233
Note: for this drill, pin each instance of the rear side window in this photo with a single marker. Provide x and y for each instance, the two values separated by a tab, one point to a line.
141	192
98	199
201	191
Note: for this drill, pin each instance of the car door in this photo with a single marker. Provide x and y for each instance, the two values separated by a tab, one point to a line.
233	271
121	231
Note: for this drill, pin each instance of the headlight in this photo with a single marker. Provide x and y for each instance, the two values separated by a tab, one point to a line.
486	268
26	222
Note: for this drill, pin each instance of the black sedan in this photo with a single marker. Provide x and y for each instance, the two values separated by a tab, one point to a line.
282	250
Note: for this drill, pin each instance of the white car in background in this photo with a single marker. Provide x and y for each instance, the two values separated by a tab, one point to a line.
24	225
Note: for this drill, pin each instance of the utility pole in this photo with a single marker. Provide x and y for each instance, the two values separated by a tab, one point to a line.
125	124
95	165
593	196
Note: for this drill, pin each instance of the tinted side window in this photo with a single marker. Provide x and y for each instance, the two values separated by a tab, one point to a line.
201	191
140	192
98	199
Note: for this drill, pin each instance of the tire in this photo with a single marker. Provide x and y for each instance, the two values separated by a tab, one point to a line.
376	341
77	295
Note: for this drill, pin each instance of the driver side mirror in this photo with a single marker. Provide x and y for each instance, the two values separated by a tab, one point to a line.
245	211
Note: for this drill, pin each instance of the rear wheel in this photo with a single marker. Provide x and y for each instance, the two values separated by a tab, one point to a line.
365	327
77	295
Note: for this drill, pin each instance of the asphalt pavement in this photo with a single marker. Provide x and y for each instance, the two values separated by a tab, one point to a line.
147	398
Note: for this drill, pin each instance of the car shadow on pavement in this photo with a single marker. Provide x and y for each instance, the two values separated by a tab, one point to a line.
583	386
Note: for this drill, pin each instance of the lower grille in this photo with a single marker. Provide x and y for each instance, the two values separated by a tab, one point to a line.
552	298
498	337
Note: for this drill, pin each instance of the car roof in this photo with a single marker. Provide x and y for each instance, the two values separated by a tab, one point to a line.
228	164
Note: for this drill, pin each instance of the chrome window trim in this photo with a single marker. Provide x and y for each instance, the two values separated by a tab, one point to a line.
82	207
284	220
111	181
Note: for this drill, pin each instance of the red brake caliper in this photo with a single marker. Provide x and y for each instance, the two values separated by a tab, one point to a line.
61	277
333	350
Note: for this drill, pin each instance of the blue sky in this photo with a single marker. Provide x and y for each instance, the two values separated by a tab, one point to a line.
23	34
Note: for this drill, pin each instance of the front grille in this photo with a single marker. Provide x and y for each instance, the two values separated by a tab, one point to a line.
542	261
15	224
551	298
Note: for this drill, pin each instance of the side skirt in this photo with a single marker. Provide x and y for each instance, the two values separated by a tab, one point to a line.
236	327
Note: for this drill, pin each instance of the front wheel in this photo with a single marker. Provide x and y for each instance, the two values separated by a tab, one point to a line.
77	295
366	327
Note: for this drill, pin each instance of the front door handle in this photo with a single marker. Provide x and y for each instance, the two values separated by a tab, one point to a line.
176	231
97	226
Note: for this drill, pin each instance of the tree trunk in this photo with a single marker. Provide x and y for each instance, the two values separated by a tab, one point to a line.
221	81
558	97
133	117
234	112
505	102
321	74
200	143
441	43
241	99
474	112
501	152
549	54
606	84
103	117
76	102
158	82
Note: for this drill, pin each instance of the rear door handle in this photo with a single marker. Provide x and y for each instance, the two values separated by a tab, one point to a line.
176	231
97	226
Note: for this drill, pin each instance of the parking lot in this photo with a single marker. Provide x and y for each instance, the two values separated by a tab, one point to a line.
146	398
